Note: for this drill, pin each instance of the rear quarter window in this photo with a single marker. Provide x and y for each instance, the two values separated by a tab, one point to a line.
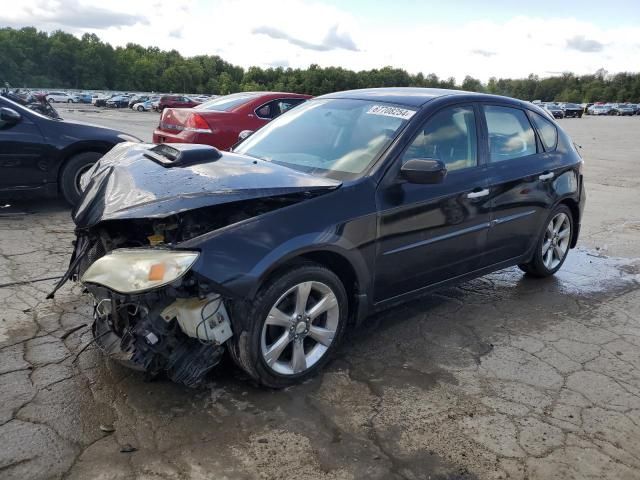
547	130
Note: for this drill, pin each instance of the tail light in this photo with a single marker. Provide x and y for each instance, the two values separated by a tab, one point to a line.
195	123
180	120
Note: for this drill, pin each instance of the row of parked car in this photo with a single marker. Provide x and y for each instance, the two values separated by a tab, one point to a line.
575	110
139	102
619	109
146	103
563	110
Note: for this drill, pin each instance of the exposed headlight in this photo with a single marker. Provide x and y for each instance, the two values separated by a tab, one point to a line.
137	270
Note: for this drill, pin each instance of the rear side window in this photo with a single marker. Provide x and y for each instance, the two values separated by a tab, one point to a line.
510	133
288	104
547	130
268	111
277	107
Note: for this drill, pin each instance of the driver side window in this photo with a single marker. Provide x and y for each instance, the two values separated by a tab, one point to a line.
448	136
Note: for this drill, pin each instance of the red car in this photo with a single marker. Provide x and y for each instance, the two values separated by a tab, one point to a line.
218	122
176	101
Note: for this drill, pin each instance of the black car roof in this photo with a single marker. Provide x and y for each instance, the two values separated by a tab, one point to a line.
413	96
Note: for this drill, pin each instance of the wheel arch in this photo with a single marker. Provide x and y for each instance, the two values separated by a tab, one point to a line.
353	278
573	207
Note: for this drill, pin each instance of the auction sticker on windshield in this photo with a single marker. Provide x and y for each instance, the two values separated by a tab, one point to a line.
388	111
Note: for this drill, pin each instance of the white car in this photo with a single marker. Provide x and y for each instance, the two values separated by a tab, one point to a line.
599	110
61	97
145	106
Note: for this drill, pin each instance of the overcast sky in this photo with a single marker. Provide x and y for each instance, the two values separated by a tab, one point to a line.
450	38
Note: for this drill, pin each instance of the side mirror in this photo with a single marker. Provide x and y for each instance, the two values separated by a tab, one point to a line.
244	134
423	170
8	117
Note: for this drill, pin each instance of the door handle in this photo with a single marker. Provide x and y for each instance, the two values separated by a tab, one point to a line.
546	176
480	193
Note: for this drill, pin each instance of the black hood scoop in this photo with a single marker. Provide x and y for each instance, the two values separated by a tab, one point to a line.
182	154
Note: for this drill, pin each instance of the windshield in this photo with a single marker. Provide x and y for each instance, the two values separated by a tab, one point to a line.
226	103
338	138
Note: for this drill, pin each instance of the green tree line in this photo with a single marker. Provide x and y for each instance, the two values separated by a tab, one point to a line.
30	58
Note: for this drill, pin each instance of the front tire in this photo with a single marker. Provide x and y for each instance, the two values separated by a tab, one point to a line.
293	327
553	245
75	167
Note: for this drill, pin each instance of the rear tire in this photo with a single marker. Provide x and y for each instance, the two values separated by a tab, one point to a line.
140	109
553	245
71	173
277	346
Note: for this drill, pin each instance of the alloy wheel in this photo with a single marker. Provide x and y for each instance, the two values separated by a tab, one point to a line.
556	240
300	328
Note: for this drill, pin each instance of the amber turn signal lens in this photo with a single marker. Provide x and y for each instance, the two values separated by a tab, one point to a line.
156	272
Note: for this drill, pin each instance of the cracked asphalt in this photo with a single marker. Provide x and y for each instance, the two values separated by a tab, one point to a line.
501	377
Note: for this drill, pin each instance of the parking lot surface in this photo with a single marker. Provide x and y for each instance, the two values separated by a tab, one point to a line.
140	124
502	377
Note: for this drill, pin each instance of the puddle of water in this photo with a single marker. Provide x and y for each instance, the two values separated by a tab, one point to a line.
586	272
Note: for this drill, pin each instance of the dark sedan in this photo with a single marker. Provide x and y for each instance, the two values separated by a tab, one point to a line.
120	101
343	206
554	110
102	101
572	110
41	155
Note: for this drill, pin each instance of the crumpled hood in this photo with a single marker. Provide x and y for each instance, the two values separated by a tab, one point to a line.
125	184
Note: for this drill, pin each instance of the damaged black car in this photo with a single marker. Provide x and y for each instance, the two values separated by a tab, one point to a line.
343	206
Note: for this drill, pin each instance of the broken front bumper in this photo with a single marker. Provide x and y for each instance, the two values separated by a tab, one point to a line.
151	313
159	332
